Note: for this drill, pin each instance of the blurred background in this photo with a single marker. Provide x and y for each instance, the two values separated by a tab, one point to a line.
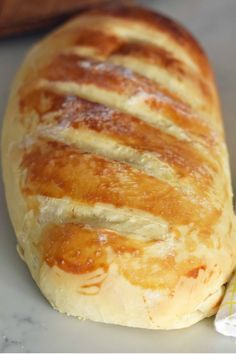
22	16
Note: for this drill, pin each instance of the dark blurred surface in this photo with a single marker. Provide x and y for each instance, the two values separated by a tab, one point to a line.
21	16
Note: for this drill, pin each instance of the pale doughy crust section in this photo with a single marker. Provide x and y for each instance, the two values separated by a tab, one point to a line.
116	171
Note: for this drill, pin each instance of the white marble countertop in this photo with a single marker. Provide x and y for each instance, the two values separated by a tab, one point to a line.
27	322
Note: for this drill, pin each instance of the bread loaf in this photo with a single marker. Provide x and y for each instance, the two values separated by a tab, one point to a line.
116	171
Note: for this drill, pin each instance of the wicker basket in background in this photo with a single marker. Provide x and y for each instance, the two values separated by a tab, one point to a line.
19	16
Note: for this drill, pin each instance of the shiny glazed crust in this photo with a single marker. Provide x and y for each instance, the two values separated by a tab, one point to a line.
116	171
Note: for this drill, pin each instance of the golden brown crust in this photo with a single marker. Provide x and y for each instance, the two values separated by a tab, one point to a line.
163	24
57	170
114	78
79	113
116	171
77	249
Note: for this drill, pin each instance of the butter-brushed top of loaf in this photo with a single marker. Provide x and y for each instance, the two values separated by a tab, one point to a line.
116	171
